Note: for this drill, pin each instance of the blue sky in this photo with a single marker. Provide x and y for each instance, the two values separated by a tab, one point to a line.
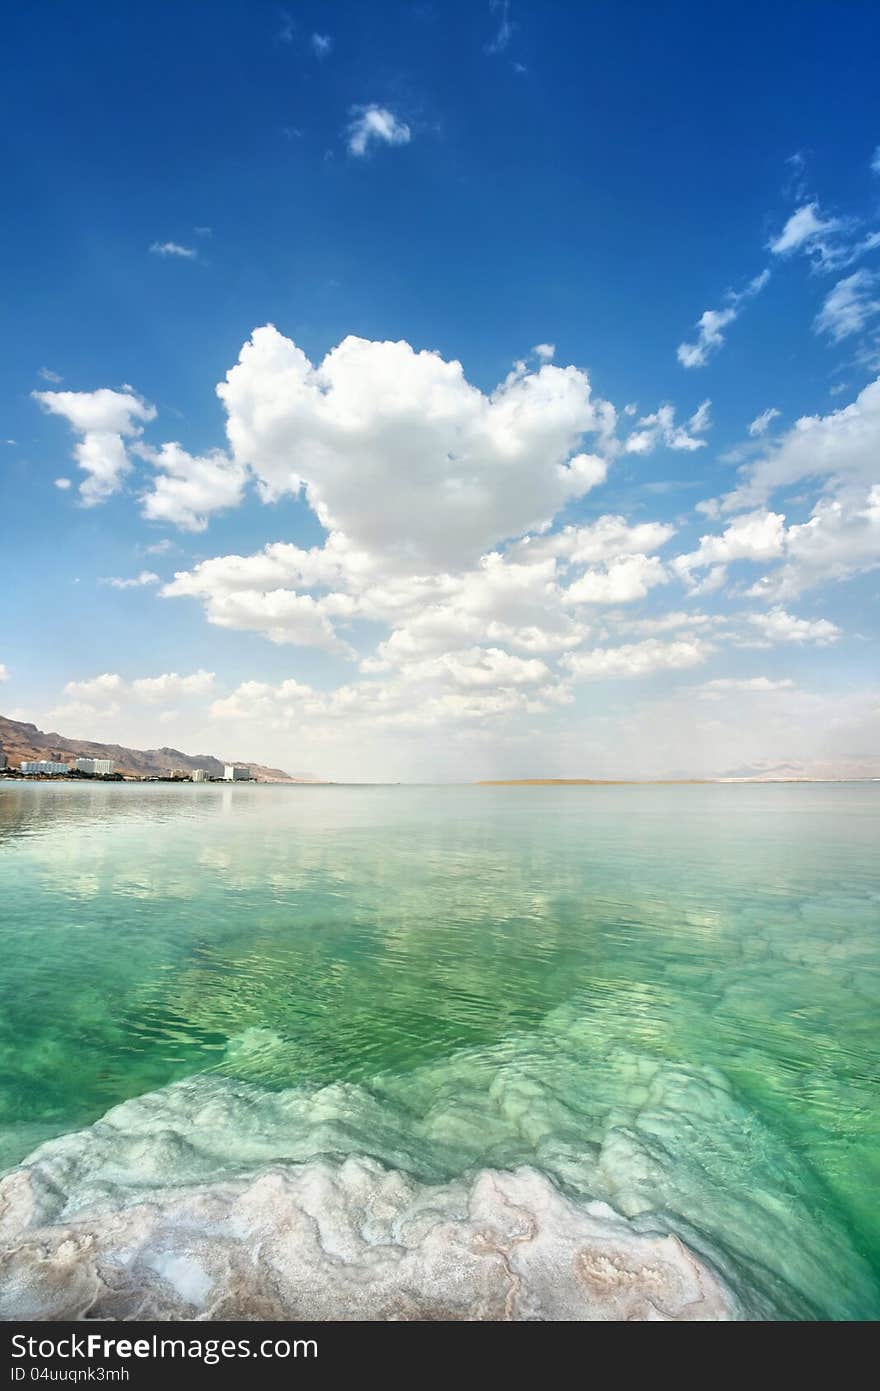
679	201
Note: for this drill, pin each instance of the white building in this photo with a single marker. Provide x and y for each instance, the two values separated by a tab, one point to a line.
96	766
200	775
43	765
233	772
2	761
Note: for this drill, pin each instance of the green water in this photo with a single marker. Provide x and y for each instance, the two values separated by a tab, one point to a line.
536	965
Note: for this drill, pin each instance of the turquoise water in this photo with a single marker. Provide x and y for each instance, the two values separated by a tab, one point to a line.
663	997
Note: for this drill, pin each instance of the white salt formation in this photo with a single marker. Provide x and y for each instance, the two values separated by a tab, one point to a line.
324	1241
500	1183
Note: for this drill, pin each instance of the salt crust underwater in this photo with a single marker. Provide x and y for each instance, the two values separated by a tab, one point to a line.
505	1182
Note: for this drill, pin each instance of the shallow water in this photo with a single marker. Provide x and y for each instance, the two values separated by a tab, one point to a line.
662	998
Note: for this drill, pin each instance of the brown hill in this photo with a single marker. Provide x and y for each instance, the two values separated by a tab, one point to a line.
20	740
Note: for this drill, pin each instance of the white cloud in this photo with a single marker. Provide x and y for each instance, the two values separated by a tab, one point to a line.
278	565
109	692
701	420
841	446
321	45
660	428
280	615
102	418
498	601
751	685
518	598
606	539
779	626
545	351
502	601
174	249
838	452
809	231
672	622
396	450
463	686
849	306
48	376
504	32
104	460
146	577
761	423
109	685
479	667
97	412
4	672
828	242
642	733
169	686
63	484
712	322
841	539
709	338
74	712
636	659
375	125
440	574
189	488
621	582
758	535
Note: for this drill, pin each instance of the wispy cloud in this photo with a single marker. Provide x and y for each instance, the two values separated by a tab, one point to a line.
762	422
849	306
375	125
321	45
146	577
504	32
795	186
828	242
287	28
761	685
712	323
173	248
701	420
660	428
49	376
810	231
779	626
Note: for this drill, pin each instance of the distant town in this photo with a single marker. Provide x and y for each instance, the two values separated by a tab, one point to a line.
104	769
29	752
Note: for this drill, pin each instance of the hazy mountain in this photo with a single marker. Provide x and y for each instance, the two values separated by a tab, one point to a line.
857	768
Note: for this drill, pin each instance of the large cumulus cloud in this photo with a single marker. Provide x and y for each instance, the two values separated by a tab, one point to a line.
397	450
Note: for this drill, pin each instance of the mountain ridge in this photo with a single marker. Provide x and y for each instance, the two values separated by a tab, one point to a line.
20	739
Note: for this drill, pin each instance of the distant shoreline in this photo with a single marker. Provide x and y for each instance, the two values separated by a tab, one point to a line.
12	776
659	782
596	782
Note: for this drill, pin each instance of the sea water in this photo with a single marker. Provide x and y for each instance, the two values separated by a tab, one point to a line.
440	1051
